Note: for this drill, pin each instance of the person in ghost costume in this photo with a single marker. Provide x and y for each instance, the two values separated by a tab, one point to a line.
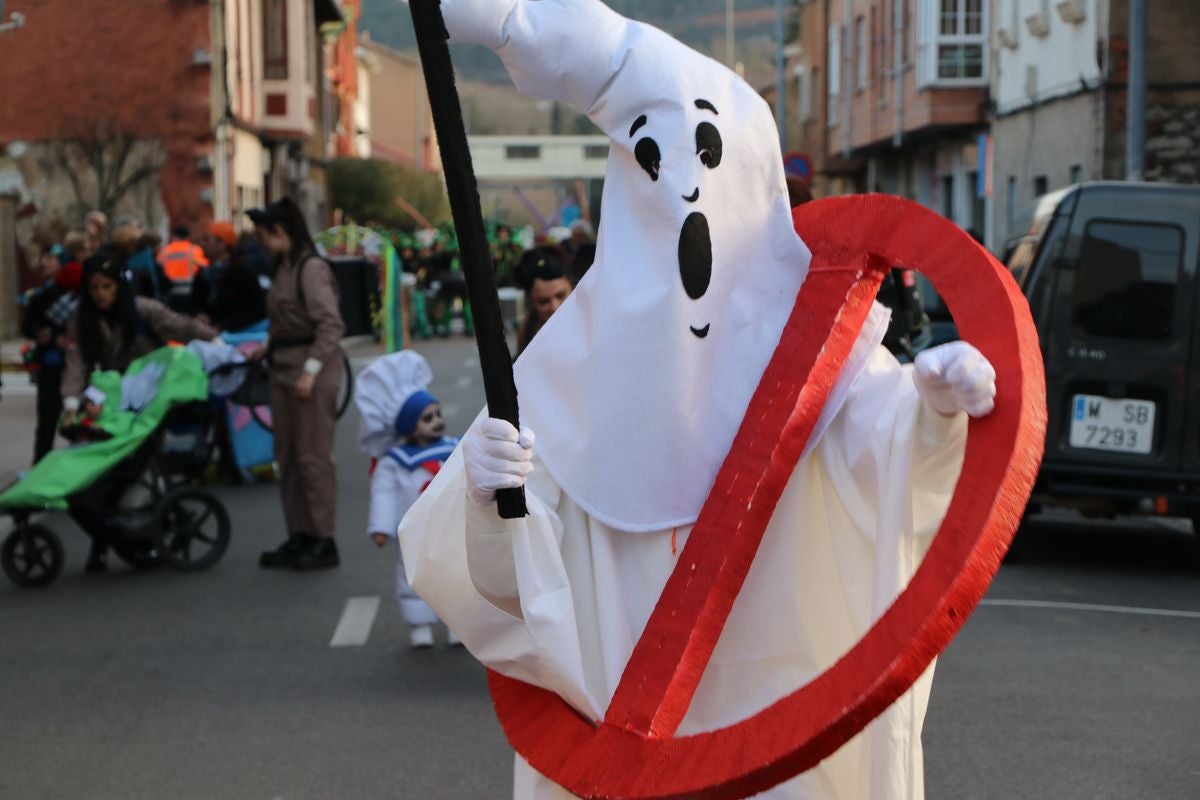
402	429
636	388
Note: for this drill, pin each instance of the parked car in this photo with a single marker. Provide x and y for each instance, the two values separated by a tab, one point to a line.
1111	273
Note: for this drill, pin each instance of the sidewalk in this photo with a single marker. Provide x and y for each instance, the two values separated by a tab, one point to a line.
18	416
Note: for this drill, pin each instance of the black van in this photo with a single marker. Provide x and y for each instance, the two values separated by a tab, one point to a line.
1110	271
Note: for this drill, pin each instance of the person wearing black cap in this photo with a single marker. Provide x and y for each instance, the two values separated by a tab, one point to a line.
543	275
110	329
305	328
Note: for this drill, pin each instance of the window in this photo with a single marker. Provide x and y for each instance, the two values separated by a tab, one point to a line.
952	47
1126	279
861	76
275	40
594	151
957	61
835	71
1076	174
978	203
947	197
803	93
522	151
1040	186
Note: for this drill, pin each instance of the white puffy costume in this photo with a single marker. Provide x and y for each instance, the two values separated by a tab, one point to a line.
636	388
389	394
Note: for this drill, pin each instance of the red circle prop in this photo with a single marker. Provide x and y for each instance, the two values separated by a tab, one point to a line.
633	753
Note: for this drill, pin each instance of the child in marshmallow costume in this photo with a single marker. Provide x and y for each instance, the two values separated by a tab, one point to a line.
636	388
402	429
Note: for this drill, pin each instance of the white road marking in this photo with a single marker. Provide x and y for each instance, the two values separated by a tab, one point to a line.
462	382
19	389
1144	612
355	625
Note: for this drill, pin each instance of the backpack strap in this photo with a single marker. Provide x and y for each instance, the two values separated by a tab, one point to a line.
300	283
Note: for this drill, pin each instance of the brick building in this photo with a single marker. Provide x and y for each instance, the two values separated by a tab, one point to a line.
99	75
168	111
401	121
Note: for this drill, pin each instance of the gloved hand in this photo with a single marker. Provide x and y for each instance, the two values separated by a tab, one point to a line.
956	377
496	457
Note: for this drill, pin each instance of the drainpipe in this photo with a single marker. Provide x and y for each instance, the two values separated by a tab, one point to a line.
898	71
1135	111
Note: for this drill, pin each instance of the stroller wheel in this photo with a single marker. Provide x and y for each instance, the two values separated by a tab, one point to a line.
32	556
191	530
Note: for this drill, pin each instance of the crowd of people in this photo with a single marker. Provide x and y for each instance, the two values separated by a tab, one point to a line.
432	256
109	295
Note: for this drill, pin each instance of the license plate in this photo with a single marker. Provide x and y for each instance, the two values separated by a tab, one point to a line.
1102	423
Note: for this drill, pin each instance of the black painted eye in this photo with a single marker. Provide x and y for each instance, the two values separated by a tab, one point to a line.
708	144
648	155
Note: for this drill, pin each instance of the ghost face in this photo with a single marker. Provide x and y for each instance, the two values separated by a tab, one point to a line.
695	239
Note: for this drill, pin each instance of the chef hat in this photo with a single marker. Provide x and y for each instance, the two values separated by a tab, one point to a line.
390	395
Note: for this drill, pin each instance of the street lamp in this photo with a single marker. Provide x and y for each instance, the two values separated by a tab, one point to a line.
16	20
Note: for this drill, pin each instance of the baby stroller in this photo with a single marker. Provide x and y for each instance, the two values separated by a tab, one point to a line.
127	477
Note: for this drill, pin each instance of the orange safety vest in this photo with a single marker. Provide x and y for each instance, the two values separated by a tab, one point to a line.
181	260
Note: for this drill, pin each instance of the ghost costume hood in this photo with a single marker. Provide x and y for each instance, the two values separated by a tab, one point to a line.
390	395
639	382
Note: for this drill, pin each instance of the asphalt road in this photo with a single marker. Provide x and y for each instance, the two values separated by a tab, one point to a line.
1076	679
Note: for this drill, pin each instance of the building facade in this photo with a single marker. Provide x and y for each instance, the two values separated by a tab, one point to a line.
1059	89
401	121
906	85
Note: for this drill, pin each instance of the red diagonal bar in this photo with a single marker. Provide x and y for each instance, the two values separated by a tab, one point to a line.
669	659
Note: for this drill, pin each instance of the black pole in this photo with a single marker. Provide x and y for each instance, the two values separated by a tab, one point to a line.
494	357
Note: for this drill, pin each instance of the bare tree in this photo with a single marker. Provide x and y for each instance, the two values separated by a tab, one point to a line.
104	161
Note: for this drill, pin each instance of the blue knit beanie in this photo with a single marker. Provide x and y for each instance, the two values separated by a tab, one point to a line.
410	412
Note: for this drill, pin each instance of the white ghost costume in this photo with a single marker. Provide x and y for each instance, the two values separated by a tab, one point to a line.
382	393
635	389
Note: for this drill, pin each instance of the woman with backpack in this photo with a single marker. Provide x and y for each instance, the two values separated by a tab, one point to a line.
305	328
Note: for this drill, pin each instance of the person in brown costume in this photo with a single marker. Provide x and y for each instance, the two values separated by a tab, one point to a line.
110	329
305	327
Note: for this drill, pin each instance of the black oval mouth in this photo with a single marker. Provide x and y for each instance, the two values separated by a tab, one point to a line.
693	197
695	255
701	332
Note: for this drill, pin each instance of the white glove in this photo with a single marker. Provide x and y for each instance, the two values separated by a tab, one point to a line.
956	377
496	457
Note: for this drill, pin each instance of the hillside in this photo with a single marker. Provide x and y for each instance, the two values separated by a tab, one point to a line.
699	23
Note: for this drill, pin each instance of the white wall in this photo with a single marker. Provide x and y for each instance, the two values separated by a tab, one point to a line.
362	112
560	157
1063	59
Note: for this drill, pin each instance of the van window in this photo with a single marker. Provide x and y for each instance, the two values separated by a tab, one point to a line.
1126	279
